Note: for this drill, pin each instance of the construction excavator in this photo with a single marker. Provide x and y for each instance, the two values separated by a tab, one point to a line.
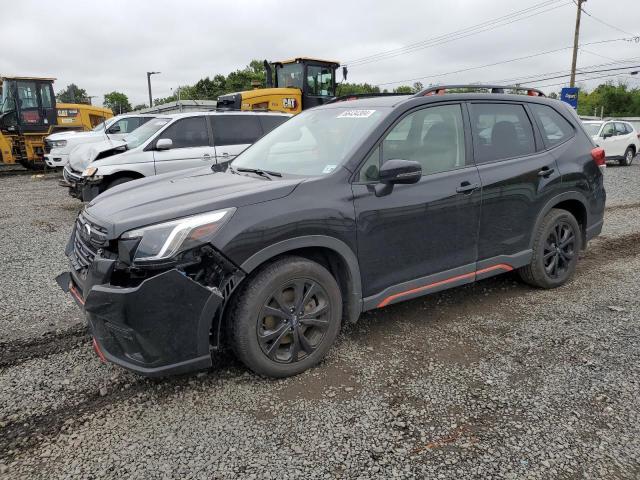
291	86
29	113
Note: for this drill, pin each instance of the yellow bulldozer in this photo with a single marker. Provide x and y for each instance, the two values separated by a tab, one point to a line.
292	86
28	113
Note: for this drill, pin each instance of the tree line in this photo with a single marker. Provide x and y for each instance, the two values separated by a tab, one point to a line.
617	100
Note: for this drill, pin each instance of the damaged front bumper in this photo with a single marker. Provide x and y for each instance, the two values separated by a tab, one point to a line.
81	187
159	327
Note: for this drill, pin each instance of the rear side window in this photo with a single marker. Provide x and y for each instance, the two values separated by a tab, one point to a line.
554	127
269	122
236	129
501	131
621	129
188	132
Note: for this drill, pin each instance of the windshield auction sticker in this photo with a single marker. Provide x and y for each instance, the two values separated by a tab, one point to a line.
356	114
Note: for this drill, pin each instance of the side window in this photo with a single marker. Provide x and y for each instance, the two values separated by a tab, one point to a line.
123	124
188	132
370	170
269	122
621	129
501	131
236	129
319	81
608	130
554	127
45	96
628	128
433	136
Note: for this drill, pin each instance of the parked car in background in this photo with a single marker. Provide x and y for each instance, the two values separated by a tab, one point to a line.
59	145
166	144
619	139
347	207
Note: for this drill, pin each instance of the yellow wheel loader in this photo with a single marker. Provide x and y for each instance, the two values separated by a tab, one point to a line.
292	86
28	113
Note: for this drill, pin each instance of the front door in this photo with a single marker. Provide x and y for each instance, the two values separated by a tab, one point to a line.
420	237
191	146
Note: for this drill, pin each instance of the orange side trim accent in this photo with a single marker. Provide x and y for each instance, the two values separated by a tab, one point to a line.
74	291
389	299
98	351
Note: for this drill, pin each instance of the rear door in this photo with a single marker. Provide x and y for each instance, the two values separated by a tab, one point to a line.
191	145
232	134
623	137
518	177
608	140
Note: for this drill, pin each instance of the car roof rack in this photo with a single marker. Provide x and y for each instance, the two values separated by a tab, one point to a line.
442	89
356	96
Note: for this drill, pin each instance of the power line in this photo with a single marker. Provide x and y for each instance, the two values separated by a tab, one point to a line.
605	23
459	34
497	63
581	80
585	73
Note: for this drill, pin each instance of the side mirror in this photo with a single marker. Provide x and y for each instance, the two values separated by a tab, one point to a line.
113	129
607	135
164	144
395	172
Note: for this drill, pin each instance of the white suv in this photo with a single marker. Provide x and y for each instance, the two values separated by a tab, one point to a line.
619	139
166	144
59	145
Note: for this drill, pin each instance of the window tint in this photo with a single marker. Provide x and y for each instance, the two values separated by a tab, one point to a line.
608	129
621	129
434	137
628	127
269	122
501	131
188	132
554	127
319	81
236	129
27	95
370	170
45	96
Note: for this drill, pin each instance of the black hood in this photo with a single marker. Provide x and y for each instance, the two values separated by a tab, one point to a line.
179	194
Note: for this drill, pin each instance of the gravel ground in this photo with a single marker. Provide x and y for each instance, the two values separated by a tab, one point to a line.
492	380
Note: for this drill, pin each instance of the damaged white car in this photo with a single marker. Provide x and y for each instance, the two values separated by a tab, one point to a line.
165	144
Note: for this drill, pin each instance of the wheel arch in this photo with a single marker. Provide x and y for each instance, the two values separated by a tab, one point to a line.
332	253
573	202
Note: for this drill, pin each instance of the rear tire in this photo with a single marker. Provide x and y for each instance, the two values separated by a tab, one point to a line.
285	319
629	153
556	245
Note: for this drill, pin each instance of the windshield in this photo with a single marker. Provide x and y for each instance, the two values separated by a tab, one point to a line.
290	75
312	143
143	133
7	102
592	128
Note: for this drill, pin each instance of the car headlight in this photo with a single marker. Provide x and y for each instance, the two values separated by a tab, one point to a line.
89	171
58	143
164	240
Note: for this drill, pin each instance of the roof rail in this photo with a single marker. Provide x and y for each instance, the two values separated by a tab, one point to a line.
442	89
356	96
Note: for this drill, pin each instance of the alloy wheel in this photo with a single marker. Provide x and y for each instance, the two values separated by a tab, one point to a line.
559	250
293	320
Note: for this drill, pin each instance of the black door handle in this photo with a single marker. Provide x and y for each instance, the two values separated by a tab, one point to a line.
545	172
466	187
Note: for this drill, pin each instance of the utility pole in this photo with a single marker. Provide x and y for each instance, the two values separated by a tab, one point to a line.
576	37
149	85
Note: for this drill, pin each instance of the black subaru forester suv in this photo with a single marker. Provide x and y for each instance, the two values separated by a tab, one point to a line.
345	208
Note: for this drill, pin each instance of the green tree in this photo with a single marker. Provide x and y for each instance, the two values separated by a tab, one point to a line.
140	106
118	102
345	88
615	100
72	94
403	89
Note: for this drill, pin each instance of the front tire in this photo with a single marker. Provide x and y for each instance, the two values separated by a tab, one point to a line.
629	153
286	318
556	245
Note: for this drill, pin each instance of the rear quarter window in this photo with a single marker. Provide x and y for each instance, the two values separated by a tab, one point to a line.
236	129
269	122
554	128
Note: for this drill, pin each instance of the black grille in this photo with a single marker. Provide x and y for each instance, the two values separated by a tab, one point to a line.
88	239
47	146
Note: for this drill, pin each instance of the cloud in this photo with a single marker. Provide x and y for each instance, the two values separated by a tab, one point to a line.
105	46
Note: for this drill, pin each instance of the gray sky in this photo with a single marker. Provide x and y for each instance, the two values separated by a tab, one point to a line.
105	46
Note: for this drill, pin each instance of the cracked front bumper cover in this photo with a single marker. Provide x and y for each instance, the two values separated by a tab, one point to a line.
157	328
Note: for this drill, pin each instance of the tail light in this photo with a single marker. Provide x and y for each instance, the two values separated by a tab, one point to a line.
599	157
